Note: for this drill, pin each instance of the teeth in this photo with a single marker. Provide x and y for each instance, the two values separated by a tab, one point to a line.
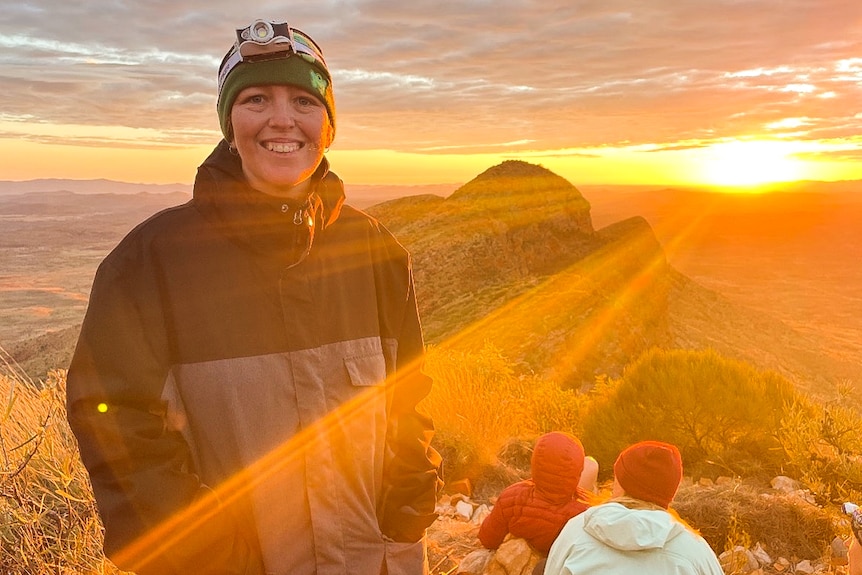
282	148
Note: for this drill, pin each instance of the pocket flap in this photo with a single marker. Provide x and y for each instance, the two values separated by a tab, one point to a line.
366	370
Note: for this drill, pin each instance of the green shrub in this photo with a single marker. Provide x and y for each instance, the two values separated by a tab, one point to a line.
722	414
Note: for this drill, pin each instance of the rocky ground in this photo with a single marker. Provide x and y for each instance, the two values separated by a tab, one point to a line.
782	529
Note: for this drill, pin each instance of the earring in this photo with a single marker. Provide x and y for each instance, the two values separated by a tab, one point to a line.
232	149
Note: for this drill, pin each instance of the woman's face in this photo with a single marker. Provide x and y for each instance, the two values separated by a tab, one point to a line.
280	133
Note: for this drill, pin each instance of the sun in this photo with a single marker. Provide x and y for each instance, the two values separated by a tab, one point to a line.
750	163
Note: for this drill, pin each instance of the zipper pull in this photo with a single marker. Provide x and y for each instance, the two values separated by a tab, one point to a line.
302	215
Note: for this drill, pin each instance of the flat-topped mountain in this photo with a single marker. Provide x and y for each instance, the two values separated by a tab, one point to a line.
511	258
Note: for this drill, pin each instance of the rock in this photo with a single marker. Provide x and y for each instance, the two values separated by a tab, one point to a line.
705	482
739	560
462	486
480	514
784	484
839	552
723	480
781	565
456	497
761	555
805	566
514	557
475	562
464	510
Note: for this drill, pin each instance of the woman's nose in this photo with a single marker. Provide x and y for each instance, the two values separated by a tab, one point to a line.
283	113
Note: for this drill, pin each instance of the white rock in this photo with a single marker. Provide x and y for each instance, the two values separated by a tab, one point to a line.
738	560
475	562
480	514
761	555
464	509
784	484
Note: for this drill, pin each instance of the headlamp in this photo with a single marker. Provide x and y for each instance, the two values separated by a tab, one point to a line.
263	37
267	40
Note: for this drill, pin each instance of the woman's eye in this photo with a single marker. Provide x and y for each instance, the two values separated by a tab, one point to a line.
303	101
253	99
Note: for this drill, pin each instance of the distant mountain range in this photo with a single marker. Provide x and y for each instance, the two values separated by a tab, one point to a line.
567	284
87	187
360	195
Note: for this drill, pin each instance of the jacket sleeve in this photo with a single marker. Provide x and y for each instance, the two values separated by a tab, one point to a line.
412	476
563	547
495	527
139	469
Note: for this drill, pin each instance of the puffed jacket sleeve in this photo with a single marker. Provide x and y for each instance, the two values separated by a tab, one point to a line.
139	468
412	476
495	527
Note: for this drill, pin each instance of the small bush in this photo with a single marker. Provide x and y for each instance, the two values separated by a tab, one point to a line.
721	413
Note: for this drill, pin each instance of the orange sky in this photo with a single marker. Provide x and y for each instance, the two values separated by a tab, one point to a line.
723	92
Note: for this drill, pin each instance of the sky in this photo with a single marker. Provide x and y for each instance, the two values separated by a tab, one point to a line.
598	91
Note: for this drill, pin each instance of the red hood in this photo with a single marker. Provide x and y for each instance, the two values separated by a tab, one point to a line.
557	463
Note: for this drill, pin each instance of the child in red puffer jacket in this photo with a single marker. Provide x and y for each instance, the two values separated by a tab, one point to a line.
538	508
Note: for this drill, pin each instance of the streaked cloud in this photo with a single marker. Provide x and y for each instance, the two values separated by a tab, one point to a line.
472	75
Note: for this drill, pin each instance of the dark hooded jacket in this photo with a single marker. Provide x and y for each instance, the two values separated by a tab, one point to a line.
538	508
244	388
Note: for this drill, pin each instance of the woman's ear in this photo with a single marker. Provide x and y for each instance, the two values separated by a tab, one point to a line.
328	136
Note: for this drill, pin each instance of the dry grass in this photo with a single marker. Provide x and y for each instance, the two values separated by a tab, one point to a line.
48	519
479	406
735	513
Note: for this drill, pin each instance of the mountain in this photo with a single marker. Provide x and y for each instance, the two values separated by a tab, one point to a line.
512	258
791	256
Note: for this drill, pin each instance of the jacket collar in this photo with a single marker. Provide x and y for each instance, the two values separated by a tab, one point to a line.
261	221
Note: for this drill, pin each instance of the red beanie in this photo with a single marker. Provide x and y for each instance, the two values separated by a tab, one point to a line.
650	471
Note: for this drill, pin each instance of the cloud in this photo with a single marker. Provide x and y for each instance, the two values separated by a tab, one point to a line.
426	76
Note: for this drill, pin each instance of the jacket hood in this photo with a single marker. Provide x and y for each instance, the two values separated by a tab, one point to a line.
556	465
631	529
262	222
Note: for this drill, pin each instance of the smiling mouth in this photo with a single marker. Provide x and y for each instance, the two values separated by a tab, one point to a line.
282	148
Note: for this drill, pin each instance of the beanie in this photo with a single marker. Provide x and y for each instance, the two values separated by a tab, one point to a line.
295	69
650	471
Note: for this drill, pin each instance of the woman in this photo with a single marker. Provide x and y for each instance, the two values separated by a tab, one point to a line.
245	383
635	532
